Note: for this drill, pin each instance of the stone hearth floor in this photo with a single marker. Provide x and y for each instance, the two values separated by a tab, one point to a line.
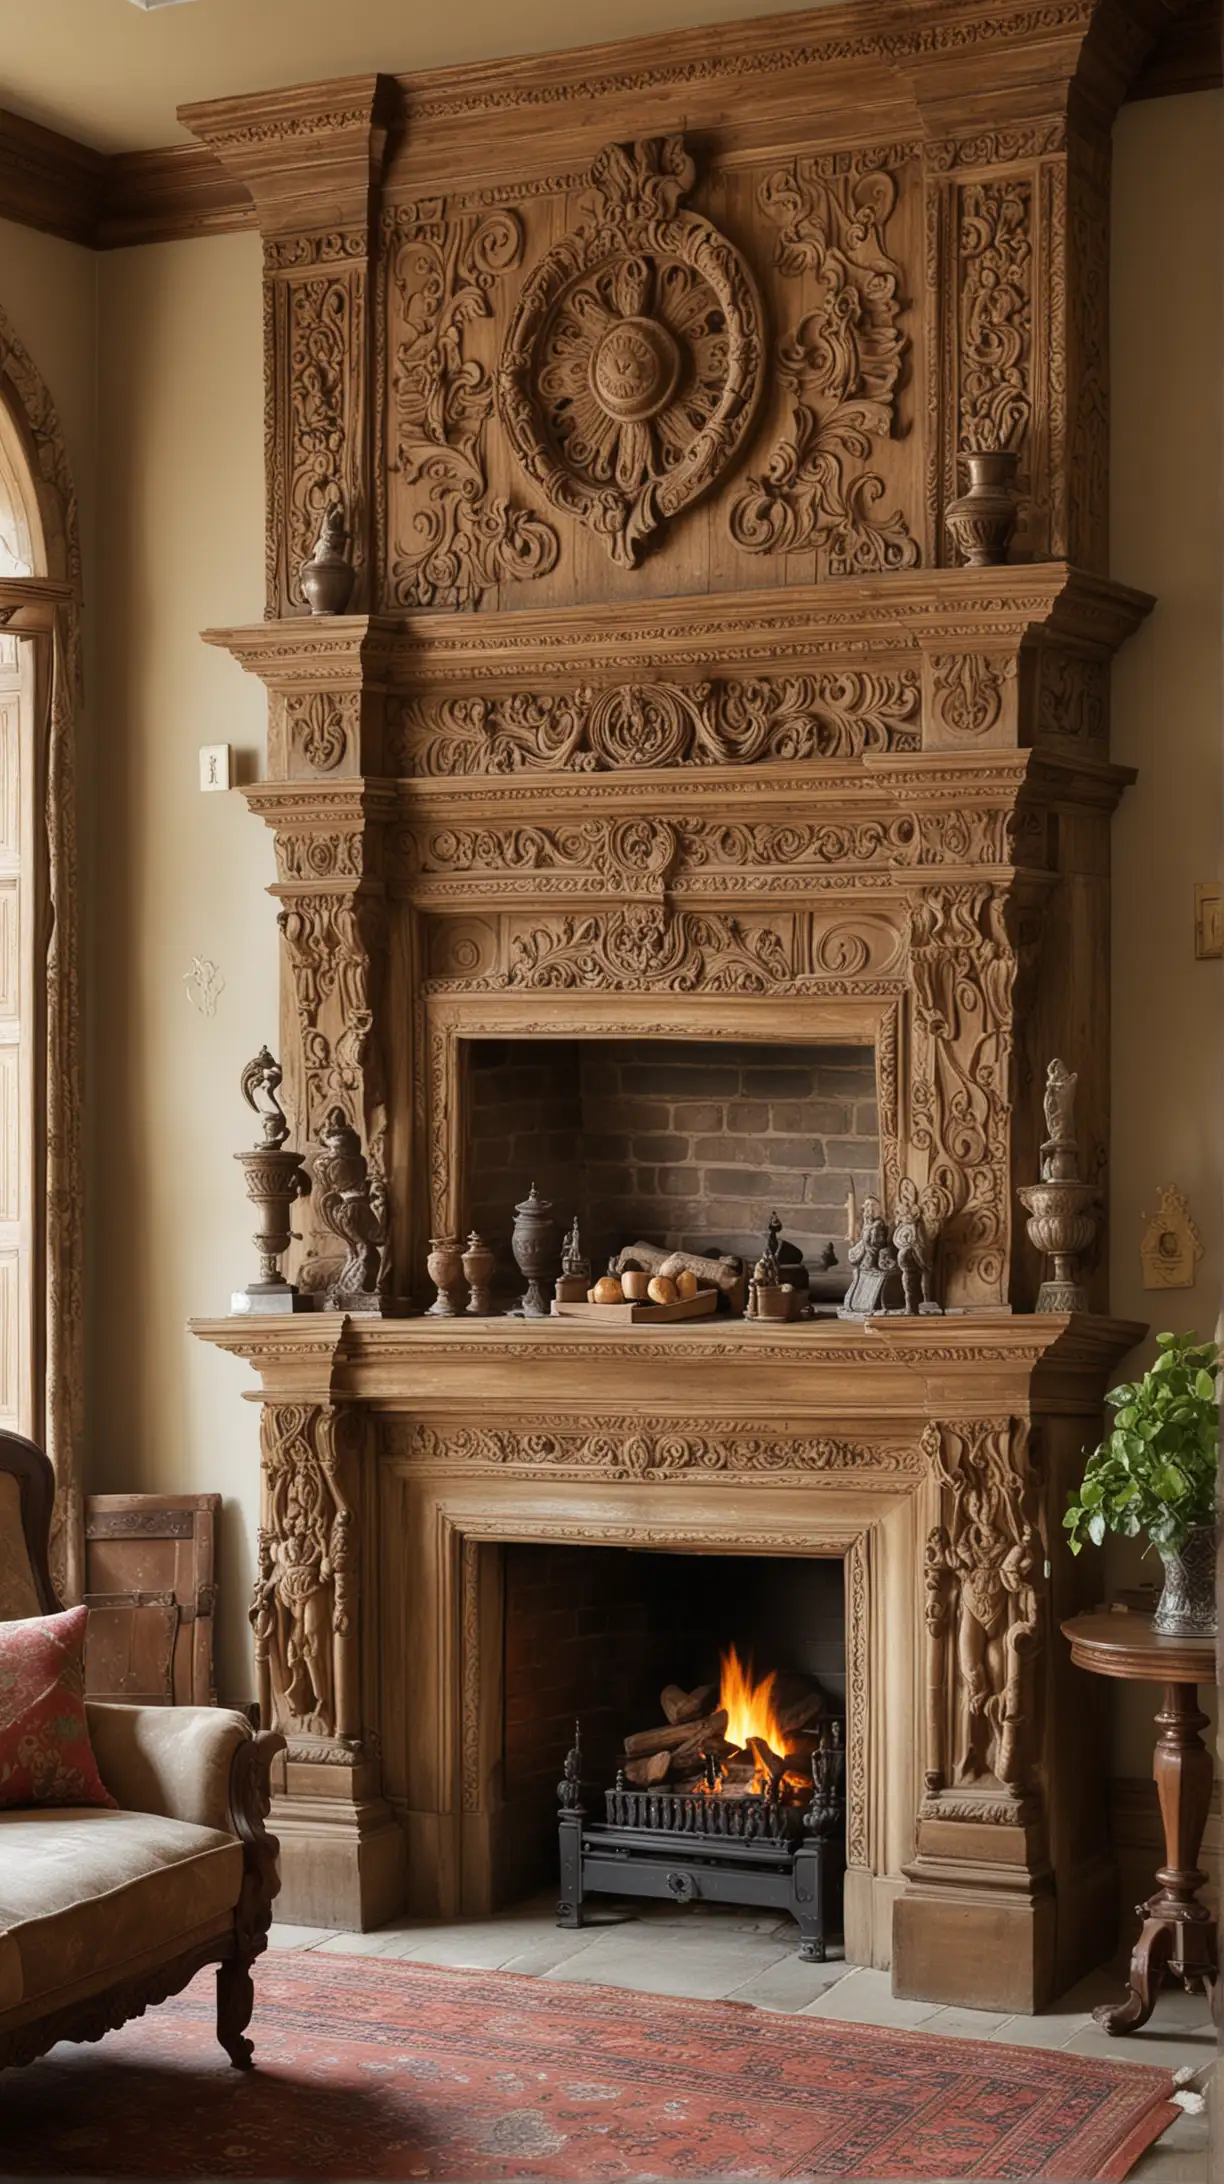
716	1954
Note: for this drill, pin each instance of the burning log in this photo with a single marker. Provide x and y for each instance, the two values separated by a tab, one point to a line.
771	1763
644	1742
685	1706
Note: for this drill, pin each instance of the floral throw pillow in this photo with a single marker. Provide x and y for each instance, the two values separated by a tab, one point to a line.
45	1754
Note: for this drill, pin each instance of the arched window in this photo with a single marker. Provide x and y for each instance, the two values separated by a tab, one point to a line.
40	1093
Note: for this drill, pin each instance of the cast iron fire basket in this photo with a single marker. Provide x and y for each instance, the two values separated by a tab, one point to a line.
698	1846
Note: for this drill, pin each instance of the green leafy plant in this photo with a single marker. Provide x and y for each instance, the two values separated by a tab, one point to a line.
1156	1471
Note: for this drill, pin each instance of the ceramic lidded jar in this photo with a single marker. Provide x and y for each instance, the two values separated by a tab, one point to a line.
533	1242
982	520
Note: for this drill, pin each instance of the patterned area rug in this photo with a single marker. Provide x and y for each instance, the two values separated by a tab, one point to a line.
373	2067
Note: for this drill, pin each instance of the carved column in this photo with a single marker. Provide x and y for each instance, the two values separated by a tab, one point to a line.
983	1855
315	1677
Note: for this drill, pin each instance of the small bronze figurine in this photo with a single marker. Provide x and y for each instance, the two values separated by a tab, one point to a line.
274	1177
351	1205
569	1789
574	1279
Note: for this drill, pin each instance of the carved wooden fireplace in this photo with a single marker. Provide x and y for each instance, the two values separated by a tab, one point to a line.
663	722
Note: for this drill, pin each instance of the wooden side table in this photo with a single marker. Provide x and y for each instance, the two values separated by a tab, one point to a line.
1178	1937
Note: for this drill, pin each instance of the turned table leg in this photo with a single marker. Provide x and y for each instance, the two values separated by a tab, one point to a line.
1178	1938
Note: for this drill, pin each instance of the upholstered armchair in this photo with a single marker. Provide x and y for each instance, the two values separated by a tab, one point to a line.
104	1912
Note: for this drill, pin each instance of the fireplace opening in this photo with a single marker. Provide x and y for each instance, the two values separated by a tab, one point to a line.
619	1640
691	1145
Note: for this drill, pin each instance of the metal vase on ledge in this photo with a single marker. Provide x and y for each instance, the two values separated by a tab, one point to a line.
1063	1212
274	1177
982	520
533	1242
1187	1606
329	576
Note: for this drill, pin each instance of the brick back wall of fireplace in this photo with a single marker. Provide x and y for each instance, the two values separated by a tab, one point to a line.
683	1143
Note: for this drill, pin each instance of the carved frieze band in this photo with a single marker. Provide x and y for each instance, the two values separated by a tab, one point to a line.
984	1571
634	1449
729	722
304	1609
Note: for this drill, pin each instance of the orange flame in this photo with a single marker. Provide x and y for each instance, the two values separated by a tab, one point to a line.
749	1705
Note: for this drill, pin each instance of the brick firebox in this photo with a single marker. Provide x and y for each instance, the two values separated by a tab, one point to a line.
688	1143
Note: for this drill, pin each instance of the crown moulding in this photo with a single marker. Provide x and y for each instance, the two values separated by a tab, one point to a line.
180	191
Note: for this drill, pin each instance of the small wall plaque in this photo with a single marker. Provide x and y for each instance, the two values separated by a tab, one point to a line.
214	766
1171	1247
1208	921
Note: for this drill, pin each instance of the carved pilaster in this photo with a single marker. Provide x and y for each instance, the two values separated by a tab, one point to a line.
304	1610
312	160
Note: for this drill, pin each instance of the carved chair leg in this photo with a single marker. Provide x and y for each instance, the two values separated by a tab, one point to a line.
235	2002
1148	1965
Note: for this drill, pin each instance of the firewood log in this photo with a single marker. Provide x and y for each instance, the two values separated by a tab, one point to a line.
645	1773
668	1739
802	1712
681	1705
774	1763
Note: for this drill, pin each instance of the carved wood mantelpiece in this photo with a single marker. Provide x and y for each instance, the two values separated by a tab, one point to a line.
642	375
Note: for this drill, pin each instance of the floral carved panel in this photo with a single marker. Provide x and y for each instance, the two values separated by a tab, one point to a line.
315	307
633	363
454	537
840	366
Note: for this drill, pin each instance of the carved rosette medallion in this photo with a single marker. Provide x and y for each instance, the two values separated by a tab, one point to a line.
633	364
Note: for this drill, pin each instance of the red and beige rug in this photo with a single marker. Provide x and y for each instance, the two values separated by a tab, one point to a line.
373	2067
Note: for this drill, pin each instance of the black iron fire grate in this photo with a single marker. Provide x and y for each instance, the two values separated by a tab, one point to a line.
710	1846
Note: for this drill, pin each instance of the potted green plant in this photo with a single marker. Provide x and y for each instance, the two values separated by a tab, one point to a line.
1155	1472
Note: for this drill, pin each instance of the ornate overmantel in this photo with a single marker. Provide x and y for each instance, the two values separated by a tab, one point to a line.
665	712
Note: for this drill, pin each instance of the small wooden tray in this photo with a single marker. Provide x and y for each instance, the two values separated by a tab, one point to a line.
630	1314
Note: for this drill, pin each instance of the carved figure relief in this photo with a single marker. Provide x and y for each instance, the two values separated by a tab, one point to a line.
984	1586
729	722
303	1611
841	366
463	539
633	363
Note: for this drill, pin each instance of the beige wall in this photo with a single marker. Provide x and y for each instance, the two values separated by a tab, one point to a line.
1168	378
176	874
179	874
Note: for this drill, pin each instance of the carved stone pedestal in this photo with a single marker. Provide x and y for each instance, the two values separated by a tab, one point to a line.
976	1926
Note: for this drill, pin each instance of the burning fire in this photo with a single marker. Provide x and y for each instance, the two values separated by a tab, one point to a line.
749	1705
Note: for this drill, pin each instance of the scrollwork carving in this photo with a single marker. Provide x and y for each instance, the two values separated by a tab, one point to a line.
633	363
317	725
321	315
1073	697
730	722
637	1448
304	1606
963	970
996	313
462	538
967	692
842	366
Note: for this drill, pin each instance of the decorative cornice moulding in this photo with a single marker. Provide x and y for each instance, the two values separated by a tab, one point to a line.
177	192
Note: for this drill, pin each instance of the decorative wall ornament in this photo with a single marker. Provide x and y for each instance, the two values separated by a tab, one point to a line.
643	945
1171	1247
648	1449
205	985
729	722
461	538
985	1589
841	366
303	1610
633	363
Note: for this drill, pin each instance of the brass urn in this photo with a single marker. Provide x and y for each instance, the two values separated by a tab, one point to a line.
274	1177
